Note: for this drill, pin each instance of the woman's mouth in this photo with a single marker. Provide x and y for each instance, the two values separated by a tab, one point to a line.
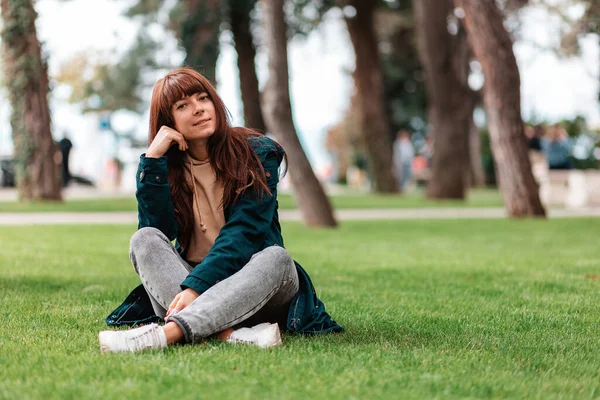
202	122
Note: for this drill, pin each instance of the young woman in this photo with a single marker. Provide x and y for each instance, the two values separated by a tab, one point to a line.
213	189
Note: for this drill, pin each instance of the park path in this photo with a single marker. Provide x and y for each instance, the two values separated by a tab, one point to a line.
61	218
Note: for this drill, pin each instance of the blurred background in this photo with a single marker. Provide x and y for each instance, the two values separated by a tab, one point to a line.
386	96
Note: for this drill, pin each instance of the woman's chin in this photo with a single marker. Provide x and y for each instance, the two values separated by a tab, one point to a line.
202	135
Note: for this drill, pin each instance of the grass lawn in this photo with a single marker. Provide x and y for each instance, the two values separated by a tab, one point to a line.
444	309
476	198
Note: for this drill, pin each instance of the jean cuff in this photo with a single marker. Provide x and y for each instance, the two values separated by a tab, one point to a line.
185	328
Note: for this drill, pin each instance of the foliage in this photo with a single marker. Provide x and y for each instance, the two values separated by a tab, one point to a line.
111	87
145	9
575	127
305	16
102	84
403	72
585	139
573	28
432	309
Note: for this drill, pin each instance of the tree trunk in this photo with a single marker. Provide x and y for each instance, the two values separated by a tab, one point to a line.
492	46
445	59
200	35
239	13
27	81
368	77
311	199
477	173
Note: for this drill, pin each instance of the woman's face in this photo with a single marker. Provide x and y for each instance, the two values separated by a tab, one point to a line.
195	116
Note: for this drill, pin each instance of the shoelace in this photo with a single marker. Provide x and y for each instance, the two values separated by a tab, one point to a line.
143	341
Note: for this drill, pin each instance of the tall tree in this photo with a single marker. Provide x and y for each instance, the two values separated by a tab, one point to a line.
310	196
368	77
492	46
197	25
239	19
27	79
445	59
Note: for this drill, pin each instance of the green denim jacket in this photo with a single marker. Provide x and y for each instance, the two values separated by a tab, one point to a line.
252	224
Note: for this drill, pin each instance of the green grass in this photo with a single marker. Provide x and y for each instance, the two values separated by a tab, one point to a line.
476	198
441	309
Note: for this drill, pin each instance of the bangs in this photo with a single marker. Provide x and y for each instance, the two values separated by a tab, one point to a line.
178	86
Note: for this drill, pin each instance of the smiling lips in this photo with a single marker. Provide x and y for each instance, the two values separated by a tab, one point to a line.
201	122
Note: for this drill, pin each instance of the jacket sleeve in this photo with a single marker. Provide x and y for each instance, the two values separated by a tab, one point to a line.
243	234
155	207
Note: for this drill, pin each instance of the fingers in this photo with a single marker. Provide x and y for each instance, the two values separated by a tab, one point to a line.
179	306
182	143
177	137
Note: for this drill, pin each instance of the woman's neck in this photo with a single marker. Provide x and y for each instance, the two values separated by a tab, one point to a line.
198	150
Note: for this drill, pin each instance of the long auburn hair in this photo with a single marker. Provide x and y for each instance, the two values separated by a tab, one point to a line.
235	163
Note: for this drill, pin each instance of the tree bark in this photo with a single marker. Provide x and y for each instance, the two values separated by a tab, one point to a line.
310	196
239	15
445	59
27	81
368	77
492	46
200	36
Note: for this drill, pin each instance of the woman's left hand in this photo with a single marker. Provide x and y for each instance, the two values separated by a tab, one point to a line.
182	300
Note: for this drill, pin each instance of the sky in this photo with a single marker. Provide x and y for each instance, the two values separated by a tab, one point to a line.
320	85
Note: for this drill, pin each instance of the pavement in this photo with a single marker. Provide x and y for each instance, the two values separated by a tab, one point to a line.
86	192
75	192
63	218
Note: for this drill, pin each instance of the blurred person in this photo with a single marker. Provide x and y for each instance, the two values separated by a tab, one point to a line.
404	153
557	148
65	145
212	188
534	137
428	148
537	159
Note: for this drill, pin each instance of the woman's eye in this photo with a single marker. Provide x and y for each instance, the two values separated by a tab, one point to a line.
204	97
179	107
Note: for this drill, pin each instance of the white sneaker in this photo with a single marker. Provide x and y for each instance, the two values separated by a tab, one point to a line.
264	335
145	337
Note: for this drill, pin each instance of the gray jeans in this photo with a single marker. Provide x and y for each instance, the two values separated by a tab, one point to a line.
260	292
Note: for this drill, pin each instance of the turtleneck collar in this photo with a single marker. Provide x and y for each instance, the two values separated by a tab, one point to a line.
192	161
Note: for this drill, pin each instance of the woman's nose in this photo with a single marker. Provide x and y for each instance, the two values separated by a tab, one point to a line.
198	107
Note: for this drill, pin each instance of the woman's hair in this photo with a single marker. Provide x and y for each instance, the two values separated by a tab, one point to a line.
235	163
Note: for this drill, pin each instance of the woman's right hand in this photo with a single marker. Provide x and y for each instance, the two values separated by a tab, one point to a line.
164	139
